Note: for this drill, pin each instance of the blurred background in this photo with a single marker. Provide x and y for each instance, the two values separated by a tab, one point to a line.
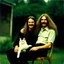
13	15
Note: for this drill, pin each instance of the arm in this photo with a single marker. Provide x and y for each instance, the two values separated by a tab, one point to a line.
48	45
16	43
20	35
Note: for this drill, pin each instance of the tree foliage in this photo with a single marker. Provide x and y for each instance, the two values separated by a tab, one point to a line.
56	7
29	9
52	7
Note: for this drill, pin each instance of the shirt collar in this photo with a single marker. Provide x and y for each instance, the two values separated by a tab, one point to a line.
45	29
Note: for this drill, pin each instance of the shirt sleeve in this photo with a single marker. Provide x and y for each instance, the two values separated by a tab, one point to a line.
20	35
51	36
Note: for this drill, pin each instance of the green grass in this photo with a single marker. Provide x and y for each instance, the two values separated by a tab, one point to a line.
3	59
57	58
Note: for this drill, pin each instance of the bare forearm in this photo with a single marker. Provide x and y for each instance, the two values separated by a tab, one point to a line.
45	46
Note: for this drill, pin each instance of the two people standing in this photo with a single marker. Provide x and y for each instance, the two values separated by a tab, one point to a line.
41	35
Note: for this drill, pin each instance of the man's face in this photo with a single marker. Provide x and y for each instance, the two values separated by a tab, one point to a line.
44	21
31	23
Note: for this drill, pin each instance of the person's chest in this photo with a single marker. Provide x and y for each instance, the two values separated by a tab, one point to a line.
43	34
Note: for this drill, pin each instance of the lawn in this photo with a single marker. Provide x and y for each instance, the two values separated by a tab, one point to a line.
57	58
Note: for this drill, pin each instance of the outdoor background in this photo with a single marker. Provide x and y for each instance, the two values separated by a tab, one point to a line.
13	15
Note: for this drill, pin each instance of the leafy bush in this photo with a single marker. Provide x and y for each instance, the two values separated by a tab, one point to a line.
5	45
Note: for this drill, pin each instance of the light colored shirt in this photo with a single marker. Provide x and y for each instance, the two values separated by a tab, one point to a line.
46	35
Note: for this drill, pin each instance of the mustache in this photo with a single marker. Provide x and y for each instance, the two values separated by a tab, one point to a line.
31	25
43	23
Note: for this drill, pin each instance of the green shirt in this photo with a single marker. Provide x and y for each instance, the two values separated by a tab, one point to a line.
45	36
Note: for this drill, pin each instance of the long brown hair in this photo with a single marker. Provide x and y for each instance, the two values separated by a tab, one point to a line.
51	24
26	29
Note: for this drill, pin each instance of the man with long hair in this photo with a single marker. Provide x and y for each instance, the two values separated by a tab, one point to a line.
47	31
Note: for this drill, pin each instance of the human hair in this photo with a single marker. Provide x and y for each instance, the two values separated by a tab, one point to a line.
26	28
51	24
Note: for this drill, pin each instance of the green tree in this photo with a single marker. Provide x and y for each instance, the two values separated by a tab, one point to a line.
56	7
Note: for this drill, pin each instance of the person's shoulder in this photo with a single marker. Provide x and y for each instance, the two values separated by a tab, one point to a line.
22	30
52	30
